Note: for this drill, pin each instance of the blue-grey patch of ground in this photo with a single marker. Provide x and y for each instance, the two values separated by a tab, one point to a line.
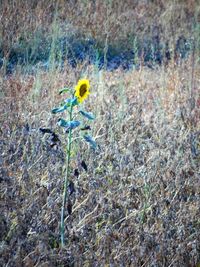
47	52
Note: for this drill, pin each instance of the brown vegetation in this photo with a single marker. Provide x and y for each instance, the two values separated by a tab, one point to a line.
138	204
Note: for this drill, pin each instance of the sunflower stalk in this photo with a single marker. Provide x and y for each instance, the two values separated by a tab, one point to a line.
66	181
68	126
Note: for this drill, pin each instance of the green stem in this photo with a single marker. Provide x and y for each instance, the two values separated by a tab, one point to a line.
62	227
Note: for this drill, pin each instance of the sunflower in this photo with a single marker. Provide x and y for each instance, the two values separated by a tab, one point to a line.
82	90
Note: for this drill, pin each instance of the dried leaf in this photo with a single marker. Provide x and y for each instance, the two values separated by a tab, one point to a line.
71	188
45	130
69	207
76	173
87	127
83	165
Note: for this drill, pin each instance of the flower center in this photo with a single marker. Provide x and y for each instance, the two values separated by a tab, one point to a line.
83	90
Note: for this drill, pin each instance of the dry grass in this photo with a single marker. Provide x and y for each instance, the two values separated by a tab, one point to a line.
139	202
109	22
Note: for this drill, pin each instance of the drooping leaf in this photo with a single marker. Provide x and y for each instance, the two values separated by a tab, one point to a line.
74	124
63	90
88	115
68	124
62	123
83	165
60	109
90	140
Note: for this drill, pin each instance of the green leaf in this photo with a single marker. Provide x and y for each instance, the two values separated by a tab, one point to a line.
64	90
71	101
68	124
88	115
60	109
90	140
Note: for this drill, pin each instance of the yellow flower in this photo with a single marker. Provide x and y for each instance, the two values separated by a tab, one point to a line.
82	90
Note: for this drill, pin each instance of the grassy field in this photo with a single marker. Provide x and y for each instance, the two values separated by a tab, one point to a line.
138	204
